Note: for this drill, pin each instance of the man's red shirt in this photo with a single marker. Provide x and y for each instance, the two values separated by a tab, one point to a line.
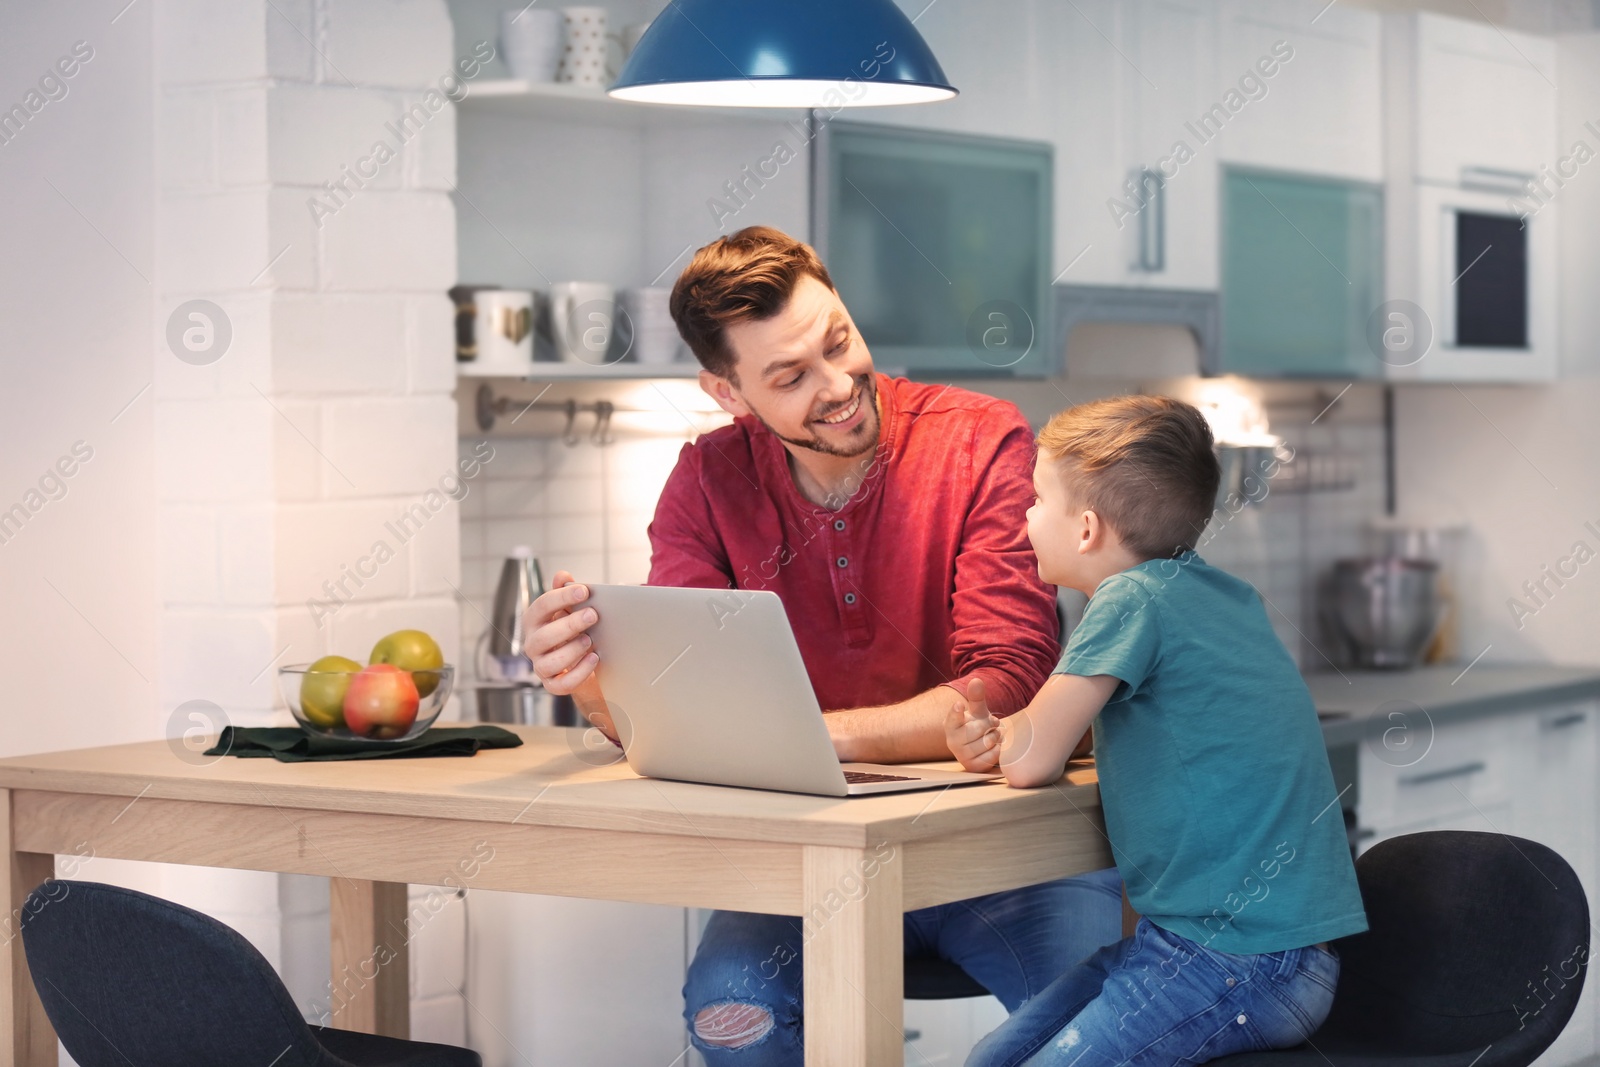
924	577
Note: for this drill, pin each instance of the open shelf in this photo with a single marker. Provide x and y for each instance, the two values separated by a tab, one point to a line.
567	372
562	102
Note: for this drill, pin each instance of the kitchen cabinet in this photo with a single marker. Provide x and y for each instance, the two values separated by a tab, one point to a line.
1169	179
1529	773
1302	269
1472	124
1557	807
1485	99
574	981
1110	83
1320	112
939	243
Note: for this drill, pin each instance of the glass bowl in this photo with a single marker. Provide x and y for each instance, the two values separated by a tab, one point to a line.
377	703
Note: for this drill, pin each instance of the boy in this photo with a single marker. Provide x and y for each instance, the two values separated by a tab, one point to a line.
1218	800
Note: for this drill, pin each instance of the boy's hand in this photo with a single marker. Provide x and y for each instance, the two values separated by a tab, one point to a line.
971	732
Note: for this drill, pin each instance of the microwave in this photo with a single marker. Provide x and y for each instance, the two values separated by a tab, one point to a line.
1486	265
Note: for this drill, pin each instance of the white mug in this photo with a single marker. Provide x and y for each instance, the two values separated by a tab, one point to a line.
531	39
582	316
502	328
631	36
583	58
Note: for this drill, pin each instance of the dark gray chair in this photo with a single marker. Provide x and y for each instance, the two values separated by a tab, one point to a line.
130	978
1476	955
936	978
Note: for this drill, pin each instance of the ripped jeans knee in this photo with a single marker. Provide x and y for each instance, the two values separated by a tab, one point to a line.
732	1024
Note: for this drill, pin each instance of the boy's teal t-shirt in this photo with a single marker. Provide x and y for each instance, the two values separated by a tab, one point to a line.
1213	776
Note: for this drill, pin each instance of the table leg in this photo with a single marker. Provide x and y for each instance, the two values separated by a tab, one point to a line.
371	957
26	1037
854	958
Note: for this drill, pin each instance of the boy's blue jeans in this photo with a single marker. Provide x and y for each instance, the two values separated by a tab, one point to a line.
1159	999
1015	943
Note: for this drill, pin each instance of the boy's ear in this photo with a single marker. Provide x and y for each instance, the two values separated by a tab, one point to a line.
1091	532
721	390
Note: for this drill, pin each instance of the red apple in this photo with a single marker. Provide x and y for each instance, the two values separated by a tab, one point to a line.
381	702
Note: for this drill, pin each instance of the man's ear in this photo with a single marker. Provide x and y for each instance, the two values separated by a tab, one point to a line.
721	390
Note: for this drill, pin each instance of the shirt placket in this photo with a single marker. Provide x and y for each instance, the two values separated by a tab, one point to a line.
843	542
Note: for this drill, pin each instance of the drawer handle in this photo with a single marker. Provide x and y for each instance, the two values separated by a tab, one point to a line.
1570	719
1438	776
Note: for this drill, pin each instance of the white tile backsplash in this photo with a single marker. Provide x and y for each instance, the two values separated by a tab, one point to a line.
586	508
582	508
1283	543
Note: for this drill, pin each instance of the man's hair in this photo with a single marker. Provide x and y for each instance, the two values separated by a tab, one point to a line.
1144	464
746	276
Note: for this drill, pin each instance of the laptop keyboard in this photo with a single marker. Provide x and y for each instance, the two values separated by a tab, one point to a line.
853	777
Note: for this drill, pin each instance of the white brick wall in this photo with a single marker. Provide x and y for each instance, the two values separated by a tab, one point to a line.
284	461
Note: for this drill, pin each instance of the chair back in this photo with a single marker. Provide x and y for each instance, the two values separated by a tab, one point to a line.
1475	940
130	978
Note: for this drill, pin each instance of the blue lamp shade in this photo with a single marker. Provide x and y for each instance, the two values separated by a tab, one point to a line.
782	53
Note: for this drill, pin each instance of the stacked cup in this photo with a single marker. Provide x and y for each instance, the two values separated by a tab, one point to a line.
531	40
646	315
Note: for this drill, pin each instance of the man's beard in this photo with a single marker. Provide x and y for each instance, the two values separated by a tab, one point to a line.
869	429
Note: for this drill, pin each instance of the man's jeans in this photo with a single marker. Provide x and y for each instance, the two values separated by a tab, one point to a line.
1015	943
1158	999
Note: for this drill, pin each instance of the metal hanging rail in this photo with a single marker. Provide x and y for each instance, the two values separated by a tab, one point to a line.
490	407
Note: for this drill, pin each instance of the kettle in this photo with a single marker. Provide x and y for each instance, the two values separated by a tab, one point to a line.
520	584
508	691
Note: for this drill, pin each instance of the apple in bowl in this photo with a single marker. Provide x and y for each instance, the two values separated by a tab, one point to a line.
381	702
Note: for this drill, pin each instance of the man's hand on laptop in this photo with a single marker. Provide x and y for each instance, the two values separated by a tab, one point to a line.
559	647
971	732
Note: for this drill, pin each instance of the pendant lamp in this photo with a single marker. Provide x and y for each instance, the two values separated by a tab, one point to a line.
782	53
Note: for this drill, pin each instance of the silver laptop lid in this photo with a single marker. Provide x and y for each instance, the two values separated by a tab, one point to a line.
707	685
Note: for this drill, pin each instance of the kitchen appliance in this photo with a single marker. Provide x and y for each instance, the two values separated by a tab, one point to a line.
1440	542
1386	608
507	690
707	685
531	40
582	316
1487	270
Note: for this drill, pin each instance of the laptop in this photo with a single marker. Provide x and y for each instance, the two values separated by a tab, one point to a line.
707	685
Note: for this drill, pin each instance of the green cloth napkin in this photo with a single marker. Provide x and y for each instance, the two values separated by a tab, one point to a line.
290	744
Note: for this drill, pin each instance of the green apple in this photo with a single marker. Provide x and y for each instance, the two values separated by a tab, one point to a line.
411	650
322	690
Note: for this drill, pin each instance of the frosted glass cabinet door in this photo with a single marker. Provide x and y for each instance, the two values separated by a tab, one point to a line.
940	246
1302	269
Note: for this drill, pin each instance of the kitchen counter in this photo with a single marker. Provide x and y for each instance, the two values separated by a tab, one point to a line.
1349	702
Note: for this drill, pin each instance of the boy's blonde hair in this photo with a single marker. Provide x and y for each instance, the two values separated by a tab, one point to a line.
1144	464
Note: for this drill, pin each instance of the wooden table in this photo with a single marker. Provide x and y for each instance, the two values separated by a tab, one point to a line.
541	819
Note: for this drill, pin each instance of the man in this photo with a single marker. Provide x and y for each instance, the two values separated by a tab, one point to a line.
886	516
